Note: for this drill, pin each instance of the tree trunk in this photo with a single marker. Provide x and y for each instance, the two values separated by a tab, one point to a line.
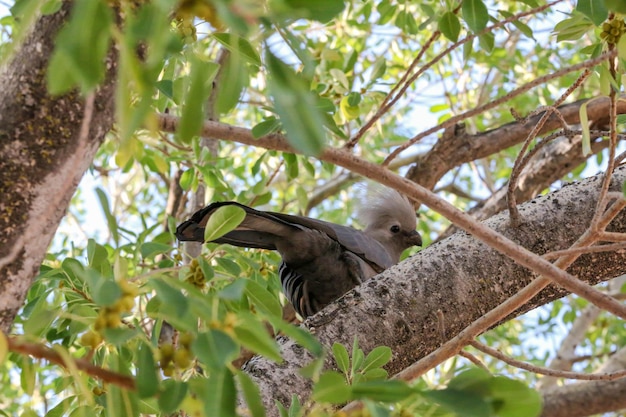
43	156
427	299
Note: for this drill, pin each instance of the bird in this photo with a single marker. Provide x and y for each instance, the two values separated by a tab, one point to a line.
321	261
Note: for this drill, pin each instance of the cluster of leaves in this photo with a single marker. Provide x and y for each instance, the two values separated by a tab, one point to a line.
473	392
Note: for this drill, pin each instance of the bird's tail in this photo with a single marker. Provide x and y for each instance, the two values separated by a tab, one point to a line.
258	230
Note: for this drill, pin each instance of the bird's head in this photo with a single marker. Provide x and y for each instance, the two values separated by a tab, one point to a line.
390	218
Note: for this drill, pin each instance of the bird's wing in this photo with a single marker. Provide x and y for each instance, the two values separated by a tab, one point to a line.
262	229
259	229
357	242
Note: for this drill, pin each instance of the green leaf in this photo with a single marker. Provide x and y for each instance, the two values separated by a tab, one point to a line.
572	28
524	28
377	409
320	10
386	11
119	335
296	106
475	14
120	401
300	335
147	379
186	179
462	403
376	373
473	379
238	45
78	58
222	394
166	87
106	209
170	296
251	394
594	10
265	127
384	391
512	398
291	165
331	388
28	376
450	26
105	292
234	77
341	357
357	356
172	394
150	249
229	266
256	338
378	357
62	407
378	70
222	221
235	290
215	349
487	41
264	300
615	5
354	99
96	254
200	85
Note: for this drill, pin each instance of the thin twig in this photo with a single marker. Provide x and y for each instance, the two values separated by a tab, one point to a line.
521	162
612	237
546	371
473	359
481	109
39	351
393	95
386	105
606	180
591	249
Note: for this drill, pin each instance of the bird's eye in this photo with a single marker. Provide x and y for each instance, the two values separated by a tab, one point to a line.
395	228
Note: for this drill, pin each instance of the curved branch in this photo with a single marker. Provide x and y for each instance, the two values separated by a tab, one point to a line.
447	154
39	351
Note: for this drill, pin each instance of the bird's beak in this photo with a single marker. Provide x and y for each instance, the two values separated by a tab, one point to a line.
415	238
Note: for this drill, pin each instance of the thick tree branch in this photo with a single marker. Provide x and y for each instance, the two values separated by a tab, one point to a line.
585	399
43	158
454	150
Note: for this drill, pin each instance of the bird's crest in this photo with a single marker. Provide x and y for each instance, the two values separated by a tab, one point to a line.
382	203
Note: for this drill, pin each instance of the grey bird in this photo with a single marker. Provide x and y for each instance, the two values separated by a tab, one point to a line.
321	261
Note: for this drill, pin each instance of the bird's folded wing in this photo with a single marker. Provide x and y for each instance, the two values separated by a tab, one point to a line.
261	230
365	247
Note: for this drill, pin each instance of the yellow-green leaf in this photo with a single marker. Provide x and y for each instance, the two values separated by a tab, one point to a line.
222	221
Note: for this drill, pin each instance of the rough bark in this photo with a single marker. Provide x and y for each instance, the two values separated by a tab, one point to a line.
42	157
456	146
458	278
549	165
585	399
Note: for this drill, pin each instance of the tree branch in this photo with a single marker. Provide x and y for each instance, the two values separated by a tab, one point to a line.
39	351
445	155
